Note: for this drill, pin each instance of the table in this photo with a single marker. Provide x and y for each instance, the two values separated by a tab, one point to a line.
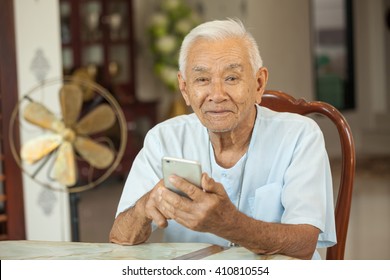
44	250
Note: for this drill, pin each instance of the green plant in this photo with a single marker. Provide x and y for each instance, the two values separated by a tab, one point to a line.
167	29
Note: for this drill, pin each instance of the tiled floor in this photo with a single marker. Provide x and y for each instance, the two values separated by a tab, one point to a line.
369	229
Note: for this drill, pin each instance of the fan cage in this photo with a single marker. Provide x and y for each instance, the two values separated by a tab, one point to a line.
107	96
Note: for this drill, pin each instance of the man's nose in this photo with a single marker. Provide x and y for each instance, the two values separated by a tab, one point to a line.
217	91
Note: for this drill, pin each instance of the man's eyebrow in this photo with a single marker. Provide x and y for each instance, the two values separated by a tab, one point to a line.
200	69
229	67
234	66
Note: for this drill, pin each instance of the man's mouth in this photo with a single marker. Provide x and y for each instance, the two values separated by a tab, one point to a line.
218	112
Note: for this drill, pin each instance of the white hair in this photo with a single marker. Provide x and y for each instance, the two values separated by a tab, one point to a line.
219	30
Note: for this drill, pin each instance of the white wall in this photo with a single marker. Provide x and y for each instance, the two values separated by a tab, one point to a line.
38	39
282	30
376	66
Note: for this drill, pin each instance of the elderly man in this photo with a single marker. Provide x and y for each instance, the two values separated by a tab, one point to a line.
266	184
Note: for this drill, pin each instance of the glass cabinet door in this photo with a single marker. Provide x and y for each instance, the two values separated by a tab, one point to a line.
66	36
91	13
118	32
118	20
97	36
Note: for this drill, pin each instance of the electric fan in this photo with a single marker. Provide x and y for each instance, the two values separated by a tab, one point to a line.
68	125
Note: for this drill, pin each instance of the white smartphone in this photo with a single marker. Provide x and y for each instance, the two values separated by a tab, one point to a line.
189	170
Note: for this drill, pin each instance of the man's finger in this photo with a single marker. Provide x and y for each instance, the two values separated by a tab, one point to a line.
189	189
158	218
209	185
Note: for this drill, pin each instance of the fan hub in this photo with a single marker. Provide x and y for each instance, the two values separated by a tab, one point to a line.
68	135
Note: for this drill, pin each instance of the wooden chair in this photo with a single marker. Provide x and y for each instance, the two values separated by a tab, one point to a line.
282	102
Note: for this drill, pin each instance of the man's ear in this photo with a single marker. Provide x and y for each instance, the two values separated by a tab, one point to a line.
261	80
183	88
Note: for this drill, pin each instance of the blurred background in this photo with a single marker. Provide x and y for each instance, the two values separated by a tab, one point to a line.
331	50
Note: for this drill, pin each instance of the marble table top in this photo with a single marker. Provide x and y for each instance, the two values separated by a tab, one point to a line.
28	250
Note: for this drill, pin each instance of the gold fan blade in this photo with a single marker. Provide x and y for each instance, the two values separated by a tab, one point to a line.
84	76
64	169
35	149
71	99
38	114
97	155
99	119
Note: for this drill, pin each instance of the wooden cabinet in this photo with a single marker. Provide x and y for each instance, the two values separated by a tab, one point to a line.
98	35
97	38
140	117
12	224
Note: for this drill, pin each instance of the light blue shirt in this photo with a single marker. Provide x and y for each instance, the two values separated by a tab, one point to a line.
285	173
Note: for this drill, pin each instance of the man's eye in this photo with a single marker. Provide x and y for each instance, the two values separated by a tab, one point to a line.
231	78
201	80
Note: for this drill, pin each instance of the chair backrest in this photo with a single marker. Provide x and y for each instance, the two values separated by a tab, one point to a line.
282	102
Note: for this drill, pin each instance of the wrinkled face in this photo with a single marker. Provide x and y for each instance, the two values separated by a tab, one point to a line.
220	85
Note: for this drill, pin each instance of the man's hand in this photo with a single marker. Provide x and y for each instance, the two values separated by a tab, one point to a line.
152	205
133	226
210	210
207	210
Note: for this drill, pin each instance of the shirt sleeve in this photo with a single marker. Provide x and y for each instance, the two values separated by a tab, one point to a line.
144	174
